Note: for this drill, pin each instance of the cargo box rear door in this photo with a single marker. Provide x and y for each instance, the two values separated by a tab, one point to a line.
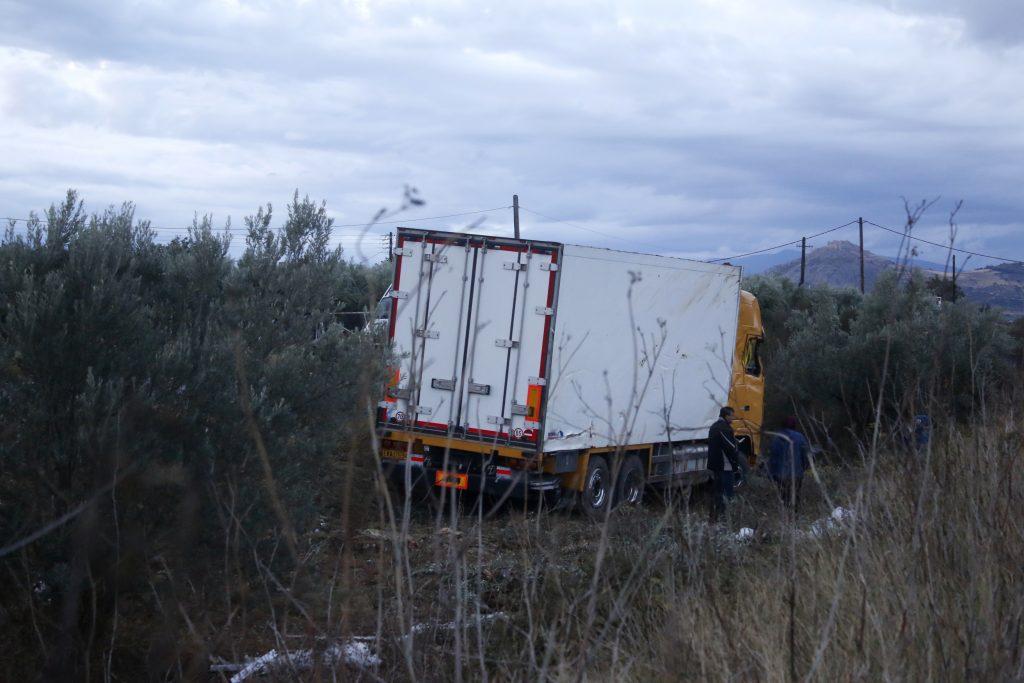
511	311
429	333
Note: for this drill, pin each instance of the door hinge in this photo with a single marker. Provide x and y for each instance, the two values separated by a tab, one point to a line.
549	266
395	294
496	420
482	389
519	409
512	265
445	384
423	410
539	381
402	251
435	258
506	343
544	310
428	334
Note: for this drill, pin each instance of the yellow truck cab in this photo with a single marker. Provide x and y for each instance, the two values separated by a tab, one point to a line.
746	395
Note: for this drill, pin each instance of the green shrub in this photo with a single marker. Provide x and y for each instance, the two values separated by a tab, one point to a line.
123	360
826	350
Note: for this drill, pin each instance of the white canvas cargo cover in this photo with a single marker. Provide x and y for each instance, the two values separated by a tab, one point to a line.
642	348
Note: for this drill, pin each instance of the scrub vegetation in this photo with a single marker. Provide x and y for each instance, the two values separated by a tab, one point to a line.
188	481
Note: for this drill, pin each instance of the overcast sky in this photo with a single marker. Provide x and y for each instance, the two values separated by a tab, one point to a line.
701	128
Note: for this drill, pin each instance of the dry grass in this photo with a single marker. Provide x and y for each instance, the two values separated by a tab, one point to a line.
923	581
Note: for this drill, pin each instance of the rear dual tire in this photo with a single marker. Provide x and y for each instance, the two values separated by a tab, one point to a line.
601	490
629	489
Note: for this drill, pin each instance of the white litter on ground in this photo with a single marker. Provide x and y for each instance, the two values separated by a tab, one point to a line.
744	534
833	522
450	626
255	666
355	652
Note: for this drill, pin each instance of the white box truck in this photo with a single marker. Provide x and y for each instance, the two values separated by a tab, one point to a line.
527	367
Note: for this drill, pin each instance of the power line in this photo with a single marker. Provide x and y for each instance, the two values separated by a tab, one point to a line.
751	253
348	239
845	225
364	235
784	244
428	218
596	232
367	225
944	246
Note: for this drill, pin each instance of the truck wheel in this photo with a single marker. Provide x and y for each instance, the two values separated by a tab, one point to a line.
630	488
598	488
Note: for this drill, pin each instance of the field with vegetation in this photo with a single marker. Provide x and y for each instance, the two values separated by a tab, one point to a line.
189	489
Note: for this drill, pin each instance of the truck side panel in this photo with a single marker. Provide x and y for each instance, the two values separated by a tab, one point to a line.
643	349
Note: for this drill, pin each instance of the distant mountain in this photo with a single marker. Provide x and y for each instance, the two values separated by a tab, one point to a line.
759	263
838	264
1001	286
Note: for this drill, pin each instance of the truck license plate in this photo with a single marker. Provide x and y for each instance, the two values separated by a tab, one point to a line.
392	454
451	480
392	449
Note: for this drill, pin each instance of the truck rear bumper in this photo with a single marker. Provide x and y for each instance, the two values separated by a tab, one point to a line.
517	485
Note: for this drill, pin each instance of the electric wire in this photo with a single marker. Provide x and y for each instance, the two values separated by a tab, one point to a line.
367	225
596	232
362	236
944	246
785	244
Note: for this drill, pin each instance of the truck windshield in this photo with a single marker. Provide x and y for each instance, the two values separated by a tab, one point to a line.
751	357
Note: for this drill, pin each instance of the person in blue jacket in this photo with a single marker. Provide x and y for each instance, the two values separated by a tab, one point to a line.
788	459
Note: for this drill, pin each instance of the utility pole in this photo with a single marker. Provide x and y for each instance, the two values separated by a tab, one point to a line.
860	225
515	213
803	259
953	295
391	246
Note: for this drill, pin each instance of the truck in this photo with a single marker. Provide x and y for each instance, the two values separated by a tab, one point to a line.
533	369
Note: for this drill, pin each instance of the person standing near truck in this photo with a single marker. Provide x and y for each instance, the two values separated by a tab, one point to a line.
723	459
787	461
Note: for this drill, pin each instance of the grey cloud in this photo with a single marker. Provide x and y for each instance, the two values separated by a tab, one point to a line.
995	21
701	130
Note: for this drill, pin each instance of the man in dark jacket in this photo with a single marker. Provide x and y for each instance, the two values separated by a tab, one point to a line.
788	458
724	459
